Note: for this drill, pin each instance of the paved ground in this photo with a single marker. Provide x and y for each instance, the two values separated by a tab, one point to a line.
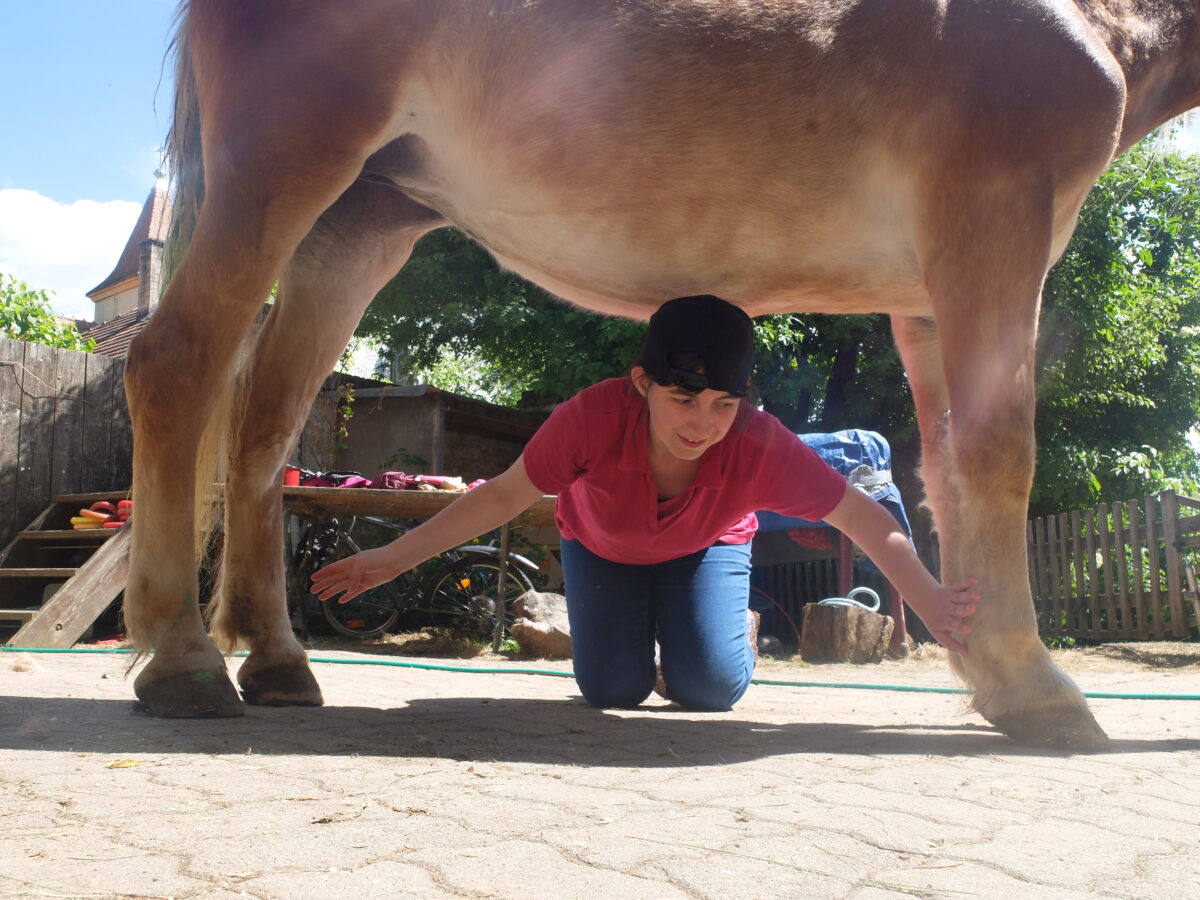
426	784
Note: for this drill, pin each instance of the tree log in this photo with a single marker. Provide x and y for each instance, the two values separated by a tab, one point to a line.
839	634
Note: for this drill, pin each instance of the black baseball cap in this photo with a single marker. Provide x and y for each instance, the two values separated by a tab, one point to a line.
700	342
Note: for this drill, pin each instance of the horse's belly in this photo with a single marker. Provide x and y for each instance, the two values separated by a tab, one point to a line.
625	252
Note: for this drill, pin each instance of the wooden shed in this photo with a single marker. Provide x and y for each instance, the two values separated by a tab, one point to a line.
419	429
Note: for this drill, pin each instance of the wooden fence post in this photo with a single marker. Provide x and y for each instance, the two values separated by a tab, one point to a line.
1170	512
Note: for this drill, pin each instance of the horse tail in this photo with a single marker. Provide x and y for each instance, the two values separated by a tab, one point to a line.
185	160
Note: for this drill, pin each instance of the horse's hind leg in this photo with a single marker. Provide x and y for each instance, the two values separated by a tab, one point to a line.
353	250
986	255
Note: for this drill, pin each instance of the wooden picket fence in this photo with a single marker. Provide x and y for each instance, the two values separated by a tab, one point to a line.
1123	571
64	428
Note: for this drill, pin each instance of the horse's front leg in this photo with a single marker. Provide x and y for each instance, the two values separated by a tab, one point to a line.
985	277
353	250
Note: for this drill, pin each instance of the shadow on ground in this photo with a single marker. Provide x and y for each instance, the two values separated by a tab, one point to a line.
560	732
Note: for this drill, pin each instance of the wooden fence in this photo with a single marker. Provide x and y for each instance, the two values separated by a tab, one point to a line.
64	428
1121	571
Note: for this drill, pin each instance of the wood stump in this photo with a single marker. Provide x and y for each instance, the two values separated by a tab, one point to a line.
840	634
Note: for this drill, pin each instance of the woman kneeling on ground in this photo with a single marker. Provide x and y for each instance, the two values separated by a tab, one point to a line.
658	476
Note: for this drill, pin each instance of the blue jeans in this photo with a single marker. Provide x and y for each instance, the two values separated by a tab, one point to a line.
696	607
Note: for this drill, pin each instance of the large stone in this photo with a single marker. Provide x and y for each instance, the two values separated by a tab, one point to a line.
838	634
540	625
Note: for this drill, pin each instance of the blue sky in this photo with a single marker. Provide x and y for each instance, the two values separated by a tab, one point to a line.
86	104
85	112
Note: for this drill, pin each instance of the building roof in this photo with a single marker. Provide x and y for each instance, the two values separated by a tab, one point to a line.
114	336
152	225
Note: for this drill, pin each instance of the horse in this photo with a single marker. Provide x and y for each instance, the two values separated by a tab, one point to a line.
921	158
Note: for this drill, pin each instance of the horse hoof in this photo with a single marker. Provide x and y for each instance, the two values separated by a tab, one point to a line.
289	684
202	694
1070	728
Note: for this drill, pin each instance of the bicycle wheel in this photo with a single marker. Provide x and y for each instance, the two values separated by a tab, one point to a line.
370	613
463	596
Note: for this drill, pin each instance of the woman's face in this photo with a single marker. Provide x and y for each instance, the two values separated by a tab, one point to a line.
684	424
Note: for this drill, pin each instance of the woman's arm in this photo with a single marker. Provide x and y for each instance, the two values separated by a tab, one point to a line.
486	507
942	608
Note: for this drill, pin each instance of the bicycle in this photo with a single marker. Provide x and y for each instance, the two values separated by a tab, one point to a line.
457	589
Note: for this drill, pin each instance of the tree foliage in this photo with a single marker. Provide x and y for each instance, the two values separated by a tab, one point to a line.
1118	370
25	315
1119	362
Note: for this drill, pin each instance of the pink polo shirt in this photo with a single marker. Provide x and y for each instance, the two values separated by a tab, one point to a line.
591	452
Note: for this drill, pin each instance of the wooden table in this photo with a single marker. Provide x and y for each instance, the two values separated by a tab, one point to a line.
321	502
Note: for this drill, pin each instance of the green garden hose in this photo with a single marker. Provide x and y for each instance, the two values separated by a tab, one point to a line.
479	670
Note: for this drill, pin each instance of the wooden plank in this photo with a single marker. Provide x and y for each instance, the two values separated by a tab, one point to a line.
47	573
69	535
1154	621
120	472
33	445
1137	572
1188	502
17	615
70	371
1188	524
95	450
1106	564
12	369
90	498
1063	547
1122	564
1094	619
1053	617
1078	617
316	503
1168	501
77	604
1041	535
1031	550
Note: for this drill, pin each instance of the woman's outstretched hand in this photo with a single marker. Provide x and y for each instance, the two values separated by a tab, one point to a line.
353	575
944	610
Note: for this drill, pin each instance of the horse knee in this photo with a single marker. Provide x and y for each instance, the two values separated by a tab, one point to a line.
995	458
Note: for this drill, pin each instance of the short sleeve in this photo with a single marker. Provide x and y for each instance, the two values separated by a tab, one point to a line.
557	454
792	479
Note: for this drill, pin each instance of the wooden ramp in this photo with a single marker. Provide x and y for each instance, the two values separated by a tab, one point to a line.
58	581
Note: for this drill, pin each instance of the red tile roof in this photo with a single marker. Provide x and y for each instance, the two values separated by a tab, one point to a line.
152	225
114	336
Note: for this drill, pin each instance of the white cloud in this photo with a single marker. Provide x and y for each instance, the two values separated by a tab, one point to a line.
64	248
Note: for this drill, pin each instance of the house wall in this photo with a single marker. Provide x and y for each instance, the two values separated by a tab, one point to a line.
117	305
475	457
385	433
382	430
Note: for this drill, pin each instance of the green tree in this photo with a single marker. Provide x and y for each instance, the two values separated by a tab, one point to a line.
1119	362
25	315
452	302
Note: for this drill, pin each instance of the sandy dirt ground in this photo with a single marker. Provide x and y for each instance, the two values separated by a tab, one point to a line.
432	784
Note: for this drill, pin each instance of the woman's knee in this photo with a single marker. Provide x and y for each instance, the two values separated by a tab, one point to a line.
714	693
605	694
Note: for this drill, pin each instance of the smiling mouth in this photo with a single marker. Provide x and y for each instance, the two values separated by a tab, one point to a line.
688	443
